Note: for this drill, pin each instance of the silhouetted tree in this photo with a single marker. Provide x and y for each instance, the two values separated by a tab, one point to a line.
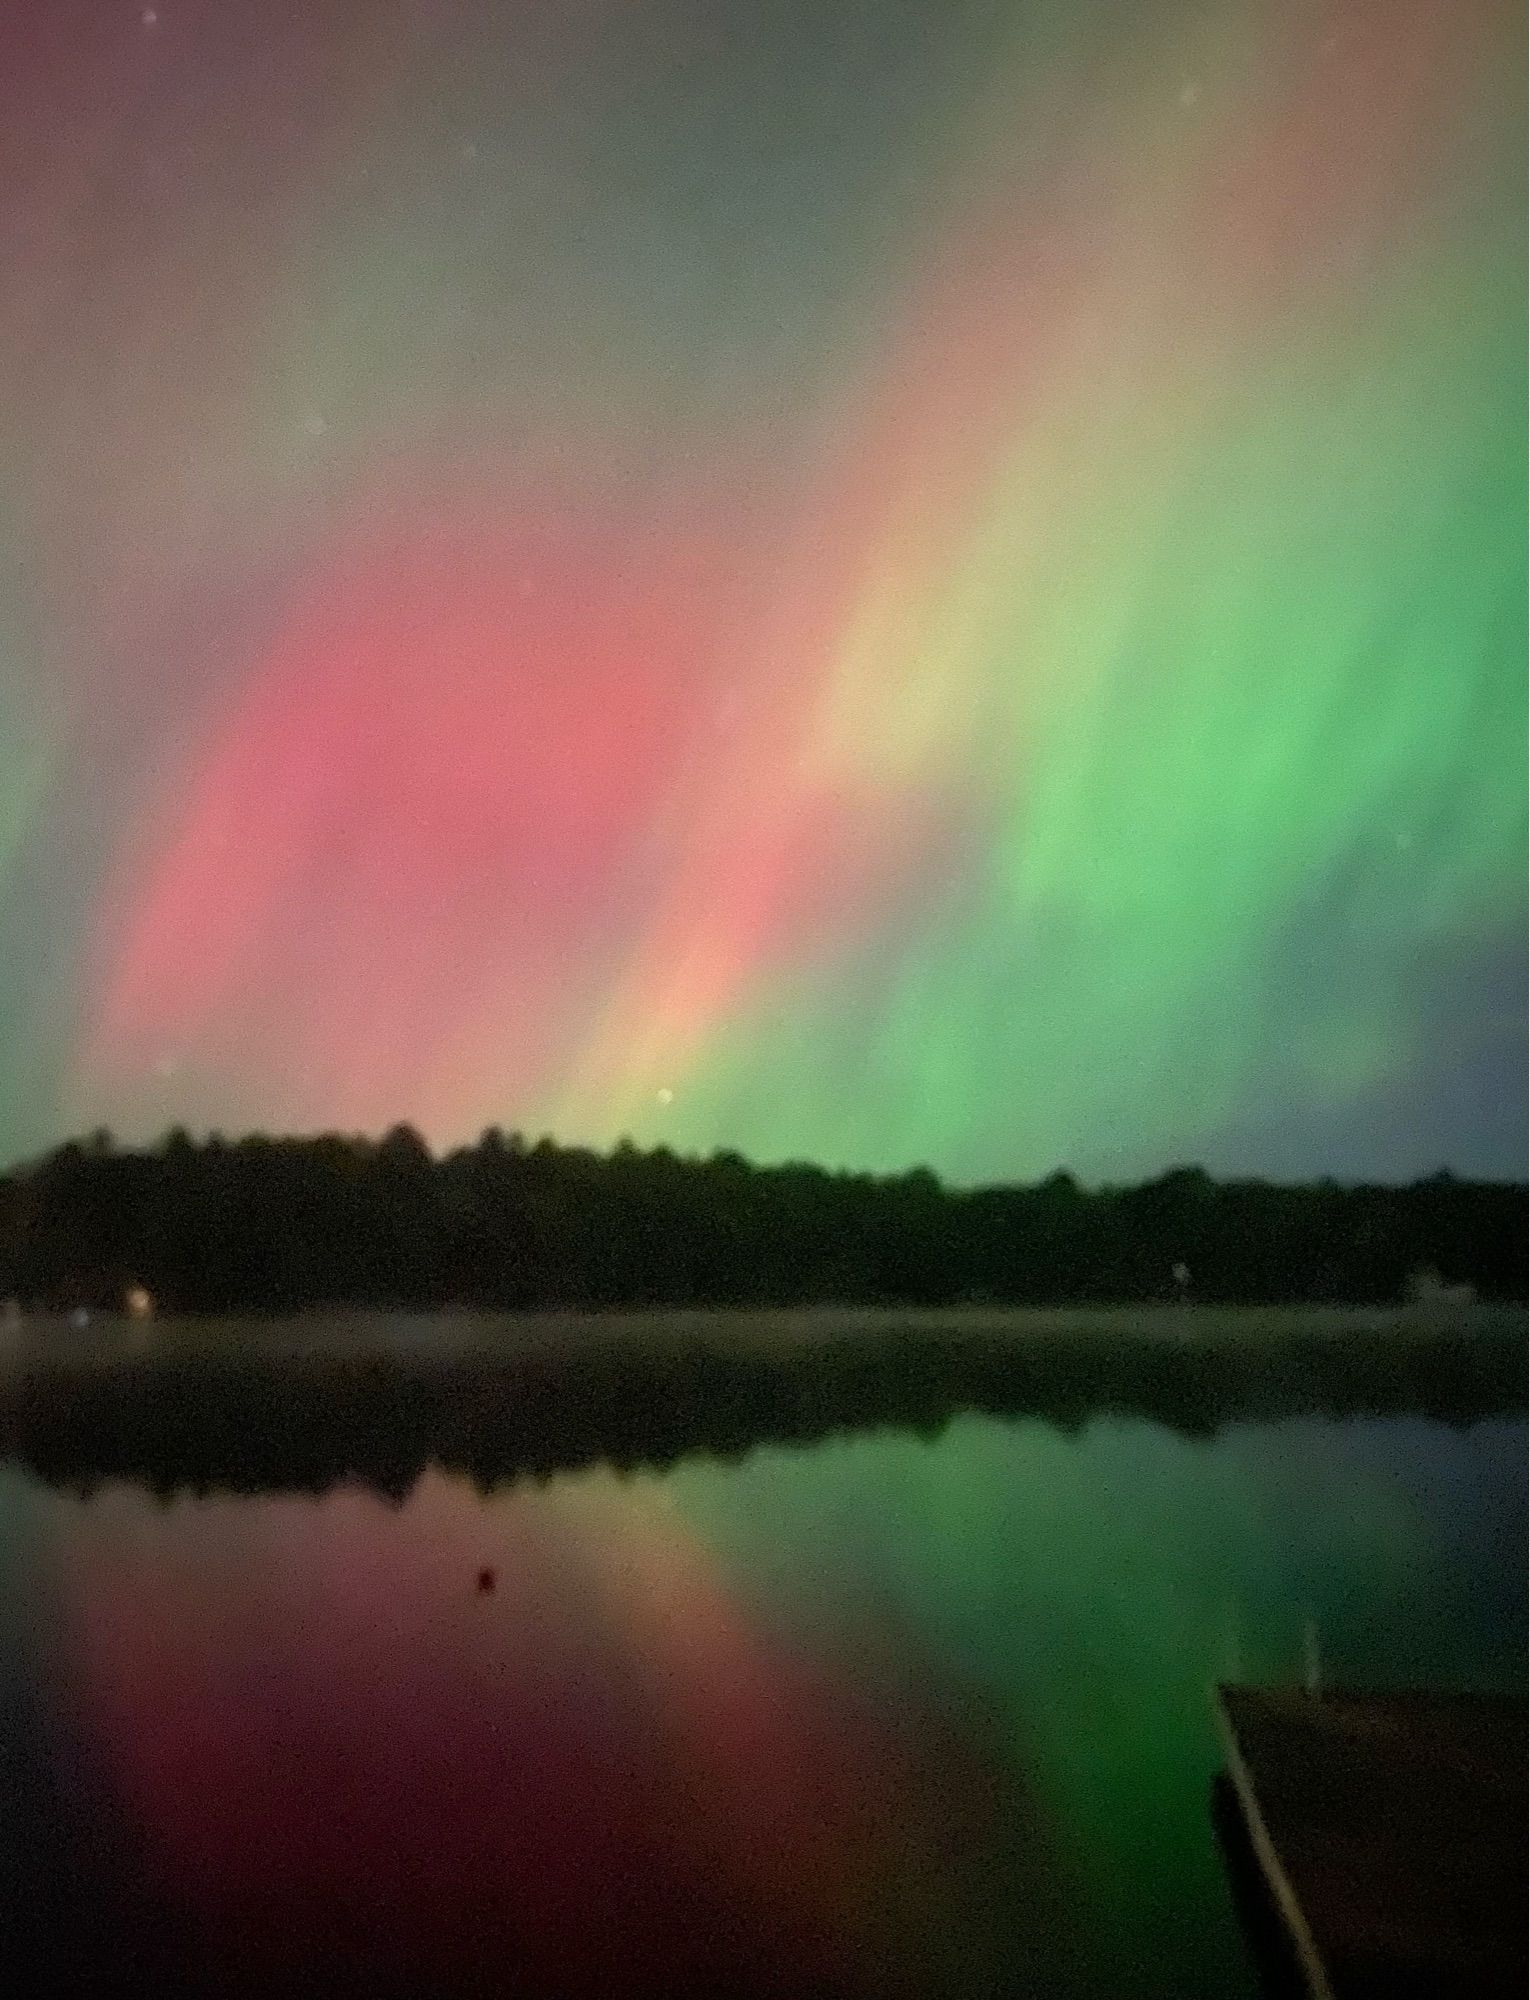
280	1224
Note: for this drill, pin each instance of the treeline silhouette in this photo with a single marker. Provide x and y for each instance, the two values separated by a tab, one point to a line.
282	1224
263	1417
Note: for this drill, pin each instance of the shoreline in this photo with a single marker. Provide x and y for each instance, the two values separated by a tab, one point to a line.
289	1407
52	1341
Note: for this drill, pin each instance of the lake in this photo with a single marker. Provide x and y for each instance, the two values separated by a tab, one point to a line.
908	1712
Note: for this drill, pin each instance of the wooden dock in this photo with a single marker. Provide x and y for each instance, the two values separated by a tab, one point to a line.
1389	1830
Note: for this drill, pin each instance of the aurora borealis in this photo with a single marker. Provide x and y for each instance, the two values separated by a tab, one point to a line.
922	581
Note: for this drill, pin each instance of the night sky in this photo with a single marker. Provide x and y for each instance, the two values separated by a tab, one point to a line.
887	581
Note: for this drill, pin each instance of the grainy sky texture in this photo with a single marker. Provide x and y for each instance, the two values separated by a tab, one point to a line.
915	581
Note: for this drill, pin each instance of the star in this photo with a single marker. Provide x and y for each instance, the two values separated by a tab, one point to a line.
666	1095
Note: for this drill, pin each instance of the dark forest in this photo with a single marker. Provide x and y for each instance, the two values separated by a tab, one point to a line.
279	1225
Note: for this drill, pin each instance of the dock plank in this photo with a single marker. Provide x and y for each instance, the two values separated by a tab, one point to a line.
1391	1829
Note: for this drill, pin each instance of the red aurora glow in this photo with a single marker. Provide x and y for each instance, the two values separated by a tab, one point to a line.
406	845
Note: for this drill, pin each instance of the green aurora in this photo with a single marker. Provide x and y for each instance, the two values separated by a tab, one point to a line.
888	583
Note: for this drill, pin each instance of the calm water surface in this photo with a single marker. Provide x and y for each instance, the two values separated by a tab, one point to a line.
883	1715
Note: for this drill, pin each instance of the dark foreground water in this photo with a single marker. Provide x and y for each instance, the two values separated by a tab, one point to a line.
883	1714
